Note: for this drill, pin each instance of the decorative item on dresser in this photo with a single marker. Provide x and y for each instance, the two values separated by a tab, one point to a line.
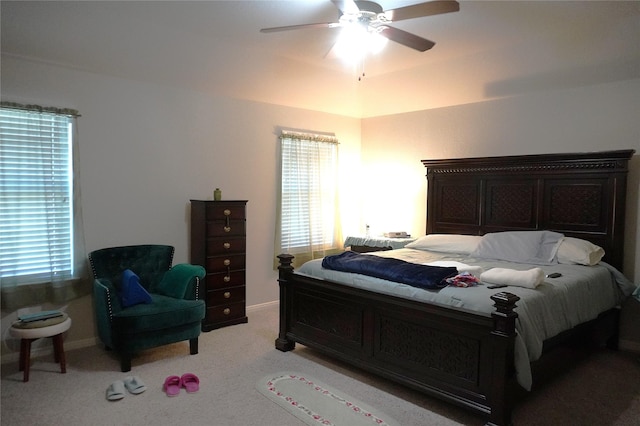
218	242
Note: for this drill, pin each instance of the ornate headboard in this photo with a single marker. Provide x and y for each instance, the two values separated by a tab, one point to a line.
580	195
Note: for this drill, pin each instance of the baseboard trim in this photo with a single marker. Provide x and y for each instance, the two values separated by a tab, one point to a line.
48	349
629	345
261	306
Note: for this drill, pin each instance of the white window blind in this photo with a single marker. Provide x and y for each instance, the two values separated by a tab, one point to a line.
36	196
309	198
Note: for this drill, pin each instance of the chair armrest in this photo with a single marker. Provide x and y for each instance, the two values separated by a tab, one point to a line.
182	281
192	291
106	297
106	303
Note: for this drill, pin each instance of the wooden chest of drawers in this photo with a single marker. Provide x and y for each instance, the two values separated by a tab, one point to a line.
219	243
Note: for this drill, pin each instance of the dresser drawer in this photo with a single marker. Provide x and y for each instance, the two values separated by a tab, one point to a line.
226	245
221	211
220	228
226	263
225	312
226	296
224	279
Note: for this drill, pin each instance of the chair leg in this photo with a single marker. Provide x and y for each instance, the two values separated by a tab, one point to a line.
193	346
58	352
125	363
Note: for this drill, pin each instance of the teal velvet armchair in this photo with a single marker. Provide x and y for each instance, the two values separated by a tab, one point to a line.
142	302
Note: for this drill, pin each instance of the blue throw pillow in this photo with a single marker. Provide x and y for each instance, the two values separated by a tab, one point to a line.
132	292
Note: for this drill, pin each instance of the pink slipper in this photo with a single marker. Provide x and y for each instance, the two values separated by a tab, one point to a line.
172	385
190	382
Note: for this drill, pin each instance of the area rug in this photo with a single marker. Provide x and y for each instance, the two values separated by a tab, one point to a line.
316	403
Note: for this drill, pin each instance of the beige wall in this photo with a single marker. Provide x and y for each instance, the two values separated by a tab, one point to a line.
146	149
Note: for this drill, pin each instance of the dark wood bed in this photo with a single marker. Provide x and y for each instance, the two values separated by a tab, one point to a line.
457	355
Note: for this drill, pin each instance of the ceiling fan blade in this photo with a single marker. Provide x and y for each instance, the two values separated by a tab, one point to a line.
407	39
422	9
346	6
299	27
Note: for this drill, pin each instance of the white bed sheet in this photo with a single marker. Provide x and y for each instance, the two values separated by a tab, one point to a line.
556	305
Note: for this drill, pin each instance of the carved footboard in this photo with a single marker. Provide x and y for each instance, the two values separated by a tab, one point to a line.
456	355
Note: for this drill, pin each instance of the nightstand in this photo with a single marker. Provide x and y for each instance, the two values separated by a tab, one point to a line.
368	244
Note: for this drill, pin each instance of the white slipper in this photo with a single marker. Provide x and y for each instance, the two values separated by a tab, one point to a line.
115	391
134	384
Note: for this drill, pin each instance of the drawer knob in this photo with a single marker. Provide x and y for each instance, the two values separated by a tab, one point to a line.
227	294
227	245
227	278
226	311
227	229
227	262
227	212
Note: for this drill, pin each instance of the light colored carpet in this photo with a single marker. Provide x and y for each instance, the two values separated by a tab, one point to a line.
604	389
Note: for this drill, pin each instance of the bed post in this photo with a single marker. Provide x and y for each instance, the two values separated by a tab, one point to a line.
503	336
285	270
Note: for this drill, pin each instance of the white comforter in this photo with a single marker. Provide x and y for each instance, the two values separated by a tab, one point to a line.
556	305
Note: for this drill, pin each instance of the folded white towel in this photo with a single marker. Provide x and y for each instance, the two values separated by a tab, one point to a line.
529	279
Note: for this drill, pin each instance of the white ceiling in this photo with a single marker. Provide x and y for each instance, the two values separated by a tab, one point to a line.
487	50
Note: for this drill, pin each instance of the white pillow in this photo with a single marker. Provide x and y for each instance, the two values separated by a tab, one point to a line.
533	247
446	243
581	252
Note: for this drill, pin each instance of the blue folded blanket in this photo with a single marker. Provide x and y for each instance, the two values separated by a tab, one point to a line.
396	270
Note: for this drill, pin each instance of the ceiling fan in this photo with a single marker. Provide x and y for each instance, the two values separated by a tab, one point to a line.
374	19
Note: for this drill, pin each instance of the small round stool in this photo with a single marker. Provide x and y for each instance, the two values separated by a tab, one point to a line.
28	332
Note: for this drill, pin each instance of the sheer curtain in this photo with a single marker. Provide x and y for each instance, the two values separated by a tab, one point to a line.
42	250
308	216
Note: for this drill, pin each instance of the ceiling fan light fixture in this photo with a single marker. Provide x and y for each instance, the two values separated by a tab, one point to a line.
377	42
356	41
370	18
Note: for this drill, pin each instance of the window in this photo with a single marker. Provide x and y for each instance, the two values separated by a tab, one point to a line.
39	218
308	217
